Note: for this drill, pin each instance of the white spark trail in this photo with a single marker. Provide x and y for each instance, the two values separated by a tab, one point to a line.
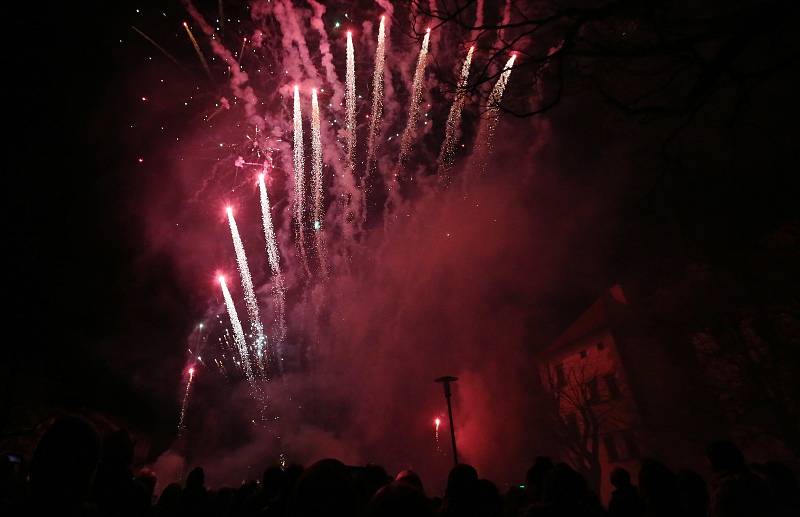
350	103
484	141
316	176
316	159
278	290
410	132
299	179
185	403
238	332
377	98
447	152
251	302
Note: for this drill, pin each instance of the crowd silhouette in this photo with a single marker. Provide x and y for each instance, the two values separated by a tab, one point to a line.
73	472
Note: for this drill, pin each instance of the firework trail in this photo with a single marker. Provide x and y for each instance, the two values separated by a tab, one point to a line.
377	98
299	178
238	333
156	45
316	159
185	403
436	423
251	302
278	291
197	50
350	103
316	176
447	152
484	141
416	97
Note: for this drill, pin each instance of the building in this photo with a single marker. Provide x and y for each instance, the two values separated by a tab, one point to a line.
618	394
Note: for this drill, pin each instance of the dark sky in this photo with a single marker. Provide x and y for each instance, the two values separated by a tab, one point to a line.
80	291
97	315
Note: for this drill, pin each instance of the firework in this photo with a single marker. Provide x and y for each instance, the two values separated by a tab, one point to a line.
278	290
377	98
416	97
316	160
350	102
238	332
251	302
299	177
316	176
486	130
156	45
447	152
436	423
197	50
185	403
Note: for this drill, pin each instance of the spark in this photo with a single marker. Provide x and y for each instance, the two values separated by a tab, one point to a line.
447	152
377	99
197	49
416	97
299	177
316	156
350	102
251	302
278	290
238	332
185	403
436	422
316	176
488	125
159	47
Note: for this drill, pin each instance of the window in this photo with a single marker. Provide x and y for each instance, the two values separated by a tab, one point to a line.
631	447
601	345
611	447
561	380
613	387
592	393
583	354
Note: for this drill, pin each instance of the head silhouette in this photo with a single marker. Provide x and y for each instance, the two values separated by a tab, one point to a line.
324	489
725	456
410	477
399	499
620	477
196	479
64	462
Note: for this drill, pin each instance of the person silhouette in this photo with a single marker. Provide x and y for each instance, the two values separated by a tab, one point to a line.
625	500
62	468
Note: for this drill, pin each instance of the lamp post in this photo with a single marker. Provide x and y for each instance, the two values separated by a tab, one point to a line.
446	380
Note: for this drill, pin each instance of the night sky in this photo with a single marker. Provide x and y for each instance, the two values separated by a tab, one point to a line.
103	291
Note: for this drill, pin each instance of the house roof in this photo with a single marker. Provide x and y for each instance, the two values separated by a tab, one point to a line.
596	317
